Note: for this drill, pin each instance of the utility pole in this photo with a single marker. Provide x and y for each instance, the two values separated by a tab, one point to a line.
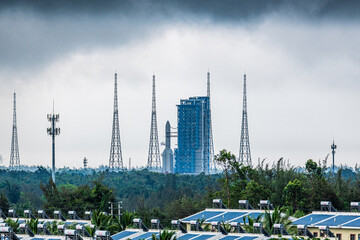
53	131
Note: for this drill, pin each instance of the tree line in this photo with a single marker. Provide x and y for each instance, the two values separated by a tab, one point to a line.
297	190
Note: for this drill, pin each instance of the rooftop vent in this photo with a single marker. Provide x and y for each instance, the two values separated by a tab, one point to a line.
244	204
266	205
218	203
327	206
176	225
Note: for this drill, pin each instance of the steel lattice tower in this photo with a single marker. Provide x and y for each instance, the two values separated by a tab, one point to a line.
244	154
154	152
14	155
211	141
115	160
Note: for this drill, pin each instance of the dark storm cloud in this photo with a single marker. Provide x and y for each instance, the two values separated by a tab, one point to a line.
34	33
229	10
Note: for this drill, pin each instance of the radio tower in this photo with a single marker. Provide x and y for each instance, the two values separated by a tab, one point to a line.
115	160
14	155
154	152
53	131
244	154
211	142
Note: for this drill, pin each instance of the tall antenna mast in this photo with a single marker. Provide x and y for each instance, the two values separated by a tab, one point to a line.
115	160
211	141
14	155
154	152
244	154
53	131
333	147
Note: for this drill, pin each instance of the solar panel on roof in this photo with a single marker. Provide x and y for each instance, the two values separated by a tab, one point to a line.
253	215
355	223
203	237
54	239
229	238
37	238
337	220
311	219
203	215
247	238
227	216
144	236
122	234
187	236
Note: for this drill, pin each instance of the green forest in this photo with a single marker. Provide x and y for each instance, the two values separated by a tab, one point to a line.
296	190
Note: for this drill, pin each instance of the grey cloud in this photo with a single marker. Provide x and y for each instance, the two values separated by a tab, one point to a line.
230	9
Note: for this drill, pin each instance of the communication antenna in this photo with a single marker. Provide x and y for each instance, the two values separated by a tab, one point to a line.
53	131
85	161
333	148
14	155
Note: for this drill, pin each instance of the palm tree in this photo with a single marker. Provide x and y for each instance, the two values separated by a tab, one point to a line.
278	216
164	235
249	226
100	220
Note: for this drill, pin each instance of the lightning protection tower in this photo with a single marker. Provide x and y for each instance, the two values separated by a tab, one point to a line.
14	155
154	152
244	154
53	131
115	160
211	141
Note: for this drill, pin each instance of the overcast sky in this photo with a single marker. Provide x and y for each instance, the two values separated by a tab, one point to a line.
302	60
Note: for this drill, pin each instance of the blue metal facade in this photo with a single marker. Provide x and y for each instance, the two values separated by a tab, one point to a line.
193	152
